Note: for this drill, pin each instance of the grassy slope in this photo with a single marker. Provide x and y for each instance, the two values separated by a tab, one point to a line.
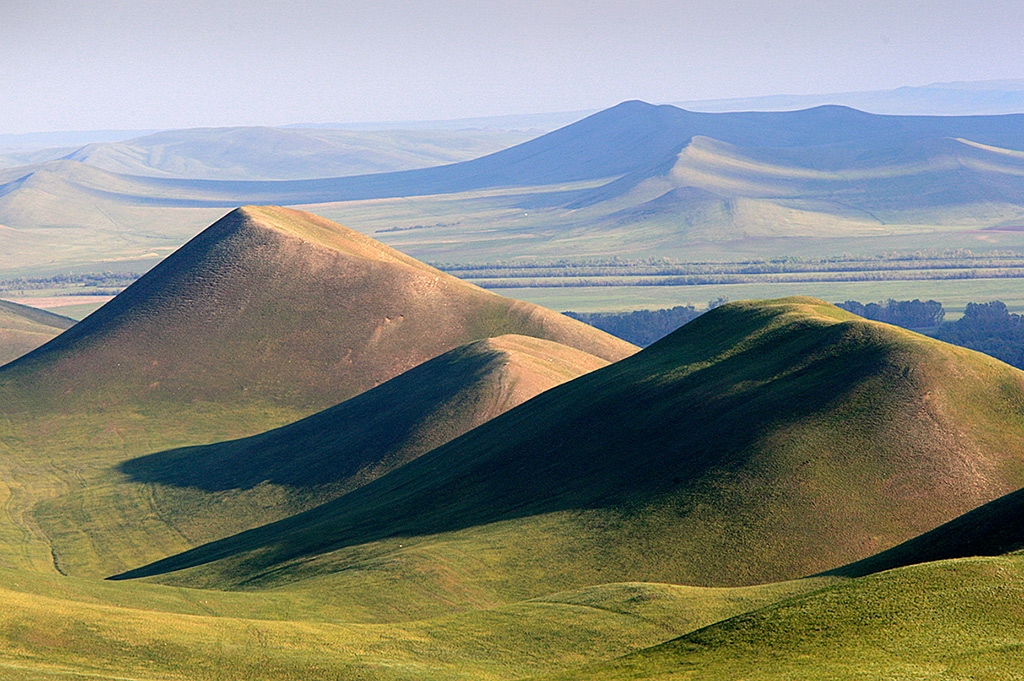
24	328
989	530
359	439
205	492
52	626
763	441
958	619
266	317
282	306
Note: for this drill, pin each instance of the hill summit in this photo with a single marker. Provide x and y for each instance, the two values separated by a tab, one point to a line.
278	305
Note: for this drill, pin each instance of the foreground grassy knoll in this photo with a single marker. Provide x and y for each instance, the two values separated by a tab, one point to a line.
763	441
53	627
958	619
24	328
266	317
205	492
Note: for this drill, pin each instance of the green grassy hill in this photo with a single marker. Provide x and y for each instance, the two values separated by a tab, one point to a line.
763	441
362	438
206	492
946	621
268	316
24	328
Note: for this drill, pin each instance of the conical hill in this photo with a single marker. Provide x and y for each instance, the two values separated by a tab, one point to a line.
277	305
761	442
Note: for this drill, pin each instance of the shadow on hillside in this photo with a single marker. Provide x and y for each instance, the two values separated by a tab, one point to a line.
620	437
332	446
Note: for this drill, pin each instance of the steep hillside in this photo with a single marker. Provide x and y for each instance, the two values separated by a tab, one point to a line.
762	441
207	492
24	328
362	438
276	305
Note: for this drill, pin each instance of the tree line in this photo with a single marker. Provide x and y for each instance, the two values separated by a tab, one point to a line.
986	327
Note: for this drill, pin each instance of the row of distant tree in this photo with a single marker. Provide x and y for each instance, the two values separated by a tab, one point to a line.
986	327
115	281
643	327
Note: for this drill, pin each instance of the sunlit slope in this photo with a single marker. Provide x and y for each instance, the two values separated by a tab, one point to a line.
51	626
173	500
763	441
990	530
947	620
266	317
24	328
362	438
271	304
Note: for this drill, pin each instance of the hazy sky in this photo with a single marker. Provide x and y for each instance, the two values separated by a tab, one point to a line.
77	65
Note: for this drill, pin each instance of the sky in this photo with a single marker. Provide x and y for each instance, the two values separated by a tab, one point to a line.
147	64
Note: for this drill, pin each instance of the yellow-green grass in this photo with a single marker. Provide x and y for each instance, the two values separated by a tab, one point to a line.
764	441
157	504
267	317
73	626
942	621
24	328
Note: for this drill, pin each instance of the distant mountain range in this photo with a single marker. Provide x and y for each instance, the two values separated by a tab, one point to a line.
962	98
651	179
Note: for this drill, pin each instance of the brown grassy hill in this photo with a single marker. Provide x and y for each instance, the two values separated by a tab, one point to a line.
24	328
762	441
362	438
272	304
266	317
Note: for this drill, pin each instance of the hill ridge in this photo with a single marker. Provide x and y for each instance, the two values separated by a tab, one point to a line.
756	443
268	281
